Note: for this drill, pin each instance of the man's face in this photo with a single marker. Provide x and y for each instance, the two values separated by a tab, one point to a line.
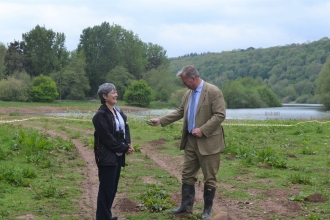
189	82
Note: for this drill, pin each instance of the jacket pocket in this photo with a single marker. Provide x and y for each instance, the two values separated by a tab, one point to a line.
104	156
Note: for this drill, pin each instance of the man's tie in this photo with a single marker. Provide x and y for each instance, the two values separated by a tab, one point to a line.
191	118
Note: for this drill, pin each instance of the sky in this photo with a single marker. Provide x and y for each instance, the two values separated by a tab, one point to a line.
179	26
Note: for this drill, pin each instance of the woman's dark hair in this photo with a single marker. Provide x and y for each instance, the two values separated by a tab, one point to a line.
105	89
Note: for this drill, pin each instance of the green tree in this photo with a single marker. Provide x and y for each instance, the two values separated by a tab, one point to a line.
268	96
71	81
44	51
121	78
249	93
108	46
132	50
2	61
138	93
43	89
102	53
14	59
323	85
162	81
156	56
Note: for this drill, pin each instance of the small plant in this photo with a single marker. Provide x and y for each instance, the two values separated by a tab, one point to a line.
156	199
62	144
48	192
3	154
137	148
297	133
319	129
300	198
36	158
13	177
14	114
4	213
299	179
52	192
29	173
307	151
75	135
313	216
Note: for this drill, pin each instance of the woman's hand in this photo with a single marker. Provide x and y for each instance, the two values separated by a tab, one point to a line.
130	150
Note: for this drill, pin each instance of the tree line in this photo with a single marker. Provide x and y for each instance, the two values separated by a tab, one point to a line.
105	53
110	53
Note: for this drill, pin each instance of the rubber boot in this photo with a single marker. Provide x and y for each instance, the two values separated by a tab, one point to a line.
208	202
188	196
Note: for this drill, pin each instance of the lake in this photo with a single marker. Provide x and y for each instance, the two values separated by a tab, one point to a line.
288	111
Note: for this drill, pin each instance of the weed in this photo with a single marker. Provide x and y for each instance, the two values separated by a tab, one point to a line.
3	154
319	129
299	198
156	199
307	151
76	135
297	133
62	144
299	179
4	213
52	192
29	173
137	148
14	114
313	216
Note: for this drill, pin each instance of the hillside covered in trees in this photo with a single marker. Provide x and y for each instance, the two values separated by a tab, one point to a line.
290	71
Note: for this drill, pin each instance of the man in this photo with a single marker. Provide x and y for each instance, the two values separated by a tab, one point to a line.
203	111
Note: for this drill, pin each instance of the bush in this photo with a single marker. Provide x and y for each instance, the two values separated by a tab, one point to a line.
15	88
138	93
43	89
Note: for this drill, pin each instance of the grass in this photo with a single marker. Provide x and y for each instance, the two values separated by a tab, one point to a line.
260	157
38	175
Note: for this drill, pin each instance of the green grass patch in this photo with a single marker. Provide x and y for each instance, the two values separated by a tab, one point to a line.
37	170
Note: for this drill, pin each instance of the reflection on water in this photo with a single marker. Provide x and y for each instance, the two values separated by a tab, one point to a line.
288	111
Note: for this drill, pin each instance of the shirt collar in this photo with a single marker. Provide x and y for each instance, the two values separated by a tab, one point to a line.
199	88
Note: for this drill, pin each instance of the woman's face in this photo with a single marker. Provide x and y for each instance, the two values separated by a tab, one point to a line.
111	97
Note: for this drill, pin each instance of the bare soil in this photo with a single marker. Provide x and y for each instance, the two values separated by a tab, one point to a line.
223	208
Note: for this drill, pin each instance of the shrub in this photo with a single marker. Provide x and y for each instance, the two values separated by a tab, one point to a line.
15	88
43	89
138	93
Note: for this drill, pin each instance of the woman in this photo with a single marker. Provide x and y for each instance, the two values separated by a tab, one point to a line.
111	142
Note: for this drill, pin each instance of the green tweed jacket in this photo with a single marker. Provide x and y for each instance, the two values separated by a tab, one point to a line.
210	113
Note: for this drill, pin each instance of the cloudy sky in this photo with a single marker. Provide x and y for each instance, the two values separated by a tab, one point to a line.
179	26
